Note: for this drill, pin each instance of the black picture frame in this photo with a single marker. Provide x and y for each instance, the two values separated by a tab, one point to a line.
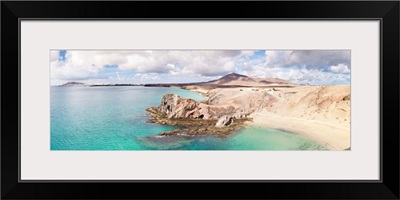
386	11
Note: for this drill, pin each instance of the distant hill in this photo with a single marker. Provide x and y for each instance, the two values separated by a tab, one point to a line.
229	80
74	84
234	79
94	85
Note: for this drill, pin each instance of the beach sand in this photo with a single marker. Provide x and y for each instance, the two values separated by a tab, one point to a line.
321	113
333	136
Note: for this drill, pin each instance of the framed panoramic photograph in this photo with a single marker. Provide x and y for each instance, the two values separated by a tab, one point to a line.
197	100
300	96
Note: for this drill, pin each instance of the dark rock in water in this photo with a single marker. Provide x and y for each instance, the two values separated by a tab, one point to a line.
206	130
158	142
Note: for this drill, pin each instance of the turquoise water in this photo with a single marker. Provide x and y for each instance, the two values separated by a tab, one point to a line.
114	118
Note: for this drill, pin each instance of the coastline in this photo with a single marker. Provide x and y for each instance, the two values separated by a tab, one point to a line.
329	135
329	131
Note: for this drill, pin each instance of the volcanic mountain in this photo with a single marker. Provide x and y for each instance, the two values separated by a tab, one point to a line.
234	79
227	81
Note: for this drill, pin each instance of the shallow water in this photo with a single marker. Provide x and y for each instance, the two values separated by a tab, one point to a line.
114	118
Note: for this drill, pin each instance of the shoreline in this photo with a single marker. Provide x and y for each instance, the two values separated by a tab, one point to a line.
334	135
329	135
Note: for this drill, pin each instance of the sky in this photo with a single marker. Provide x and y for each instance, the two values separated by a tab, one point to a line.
314	67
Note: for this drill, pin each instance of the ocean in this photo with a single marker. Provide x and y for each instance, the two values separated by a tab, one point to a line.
114	118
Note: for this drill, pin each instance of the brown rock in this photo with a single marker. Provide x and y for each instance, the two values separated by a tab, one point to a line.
224	121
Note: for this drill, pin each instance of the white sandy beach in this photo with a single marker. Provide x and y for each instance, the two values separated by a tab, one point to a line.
334	136
318	112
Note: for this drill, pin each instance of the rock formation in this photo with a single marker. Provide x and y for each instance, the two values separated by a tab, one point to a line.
223	112
174	106
198	118
224	121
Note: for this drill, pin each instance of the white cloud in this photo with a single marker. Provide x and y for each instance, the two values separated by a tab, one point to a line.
247	53
188	65
277	58
300	76
312	59
76	66
86	63
340	69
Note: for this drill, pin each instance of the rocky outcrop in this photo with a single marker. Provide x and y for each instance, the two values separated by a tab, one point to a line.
196	127
174	106
220	115
224	121
196	118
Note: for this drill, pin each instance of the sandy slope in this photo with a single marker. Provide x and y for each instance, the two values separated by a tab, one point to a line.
319	112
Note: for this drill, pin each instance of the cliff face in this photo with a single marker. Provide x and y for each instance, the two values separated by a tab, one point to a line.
196	118
174	106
